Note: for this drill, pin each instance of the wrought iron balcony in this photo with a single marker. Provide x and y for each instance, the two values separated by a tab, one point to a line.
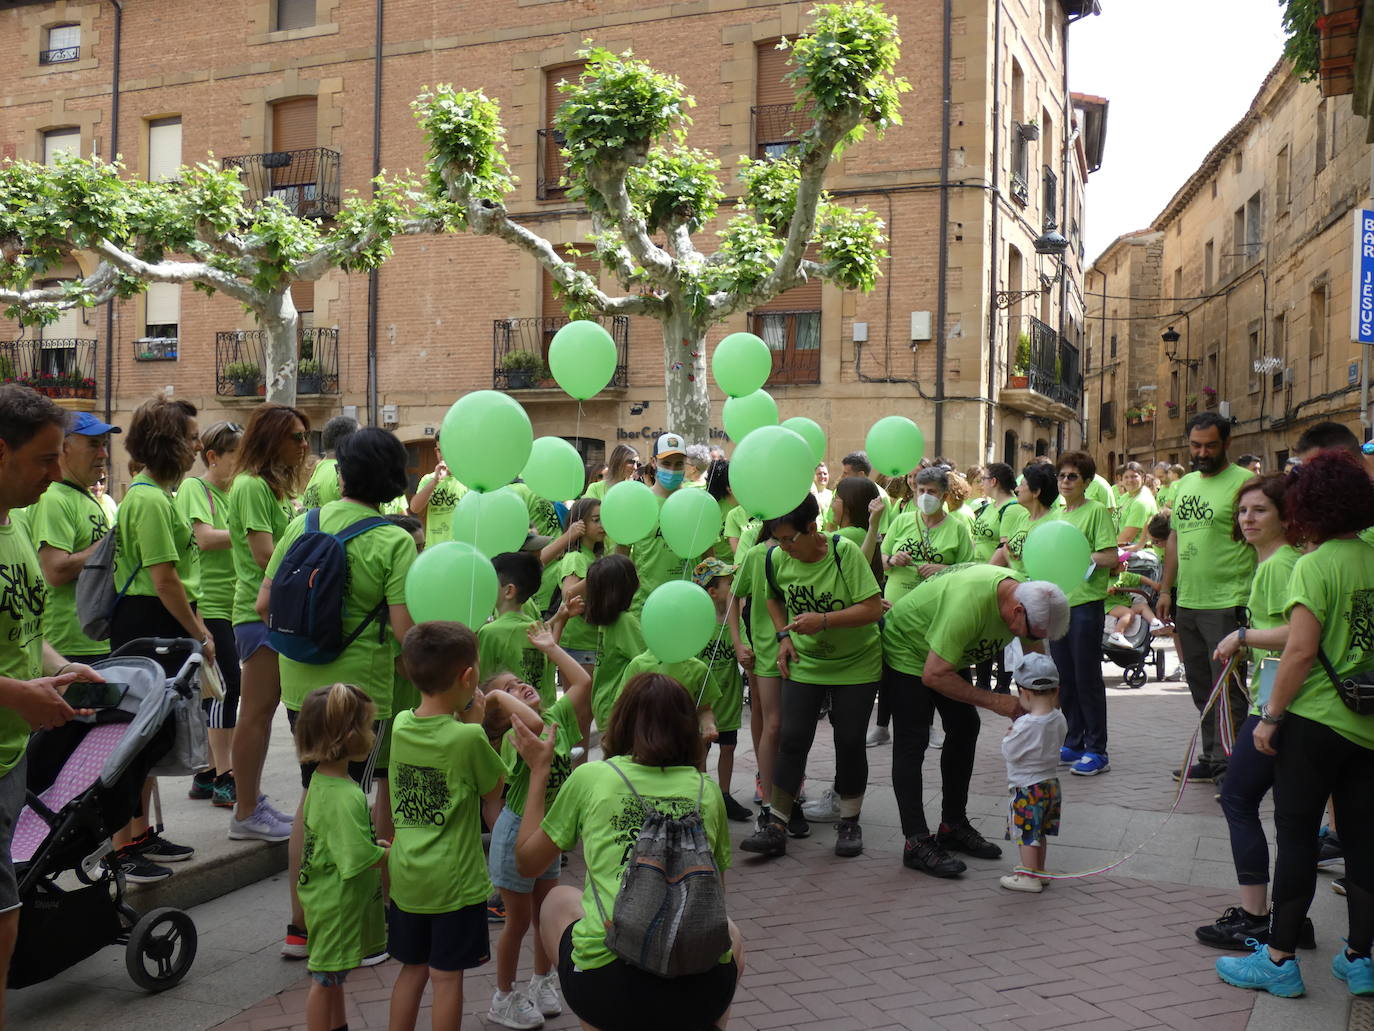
520	351
306	181
552	165
794	337
777	128
240	360
1051	370
61	55
57	367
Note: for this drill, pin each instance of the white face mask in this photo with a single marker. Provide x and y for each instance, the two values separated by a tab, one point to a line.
928	503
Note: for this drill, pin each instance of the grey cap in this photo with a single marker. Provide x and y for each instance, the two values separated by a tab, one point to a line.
1037	672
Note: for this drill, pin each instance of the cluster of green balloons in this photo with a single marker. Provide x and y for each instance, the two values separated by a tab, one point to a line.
452	581
679	619
582	358
1058	552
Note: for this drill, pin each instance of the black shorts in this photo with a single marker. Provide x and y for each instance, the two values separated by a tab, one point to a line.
459	940
727	737
619	997
361	772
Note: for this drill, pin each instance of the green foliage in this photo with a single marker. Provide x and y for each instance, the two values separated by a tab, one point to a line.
749	250
525	361
677	188
770	189
364	228
308	367
467	148
1021	365
846	63
851	242
1303	44
242	372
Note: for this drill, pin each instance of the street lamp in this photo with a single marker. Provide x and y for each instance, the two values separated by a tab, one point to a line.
1051	244
1171	338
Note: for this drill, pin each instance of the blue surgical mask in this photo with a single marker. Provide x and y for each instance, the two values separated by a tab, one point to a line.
670	479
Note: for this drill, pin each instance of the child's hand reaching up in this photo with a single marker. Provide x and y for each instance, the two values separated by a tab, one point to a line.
476	710
541	636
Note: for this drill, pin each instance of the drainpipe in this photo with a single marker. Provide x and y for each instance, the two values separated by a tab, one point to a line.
114	152
1065	118
373	277
996	244
941	304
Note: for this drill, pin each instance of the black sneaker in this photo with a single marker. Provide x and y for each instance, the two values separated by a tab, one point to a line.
770	839
926	855
968	841
1202	772
1331	852
496	910
797	827
136	867
153	846
1232	928
849	839
202	786
737	812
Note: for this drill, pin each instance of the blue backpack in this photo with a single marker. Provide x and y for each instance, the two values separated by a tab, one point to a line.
305	613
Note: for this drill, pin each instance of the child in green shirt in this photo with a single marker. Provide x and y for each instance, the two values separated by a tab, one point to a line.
723	673
611	585
442	767
340	883
503	645
1121	617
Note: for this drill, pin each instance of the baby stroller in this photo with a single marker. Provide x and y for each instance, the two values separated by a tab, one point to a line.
84	782
1132	660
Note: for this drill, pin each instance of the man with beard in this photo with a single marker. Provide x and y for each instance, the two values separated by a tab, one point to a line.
1207	578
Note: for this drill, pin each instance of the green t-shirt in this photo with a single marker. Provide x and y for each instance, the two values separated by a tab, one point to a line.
1336	584
151	532
1100	490
566	738
543	520
323	486
200	501
578	634
252	507
954	615
616	645
947	542
69	518
1016	527
1138	511
21	631
838	579
1214	570
726	687
690	673
1269	594
439	515
735	522
340	883
1095	521
595	489
597	808
440	769
503	646
1164	497
378	561
854	534
751	586
988	529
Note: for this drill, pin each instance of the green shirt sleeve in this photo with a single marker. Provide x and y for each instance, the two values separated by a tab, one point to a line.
350	836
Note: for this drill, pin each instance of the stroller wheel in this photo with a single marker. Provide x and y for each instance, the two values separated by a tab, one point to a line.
1135	676
161	949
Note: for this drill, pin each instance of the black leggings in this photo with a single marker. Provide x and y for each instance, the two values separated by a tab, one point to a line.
1315	762
913	705
1249	776
224	714
850	706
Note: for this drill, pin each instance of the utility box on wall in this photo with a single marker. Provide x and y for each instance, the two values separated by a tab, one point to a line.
920	326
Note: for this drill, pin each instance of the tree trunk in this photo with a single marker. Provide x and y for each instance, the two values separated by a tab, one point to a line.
280	323
684	360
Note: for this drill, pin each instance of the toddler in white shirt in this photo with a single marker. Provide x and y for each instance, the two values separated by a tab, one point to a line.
1031	749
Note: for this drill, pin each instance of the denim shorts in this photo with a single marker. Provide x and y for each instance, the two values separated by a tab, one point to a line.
329	978
249	637
583	656
501	857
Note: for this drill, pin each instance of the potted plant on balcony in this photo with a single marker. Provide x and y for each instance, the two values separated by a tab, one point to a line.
308	376
244	376
1172	408
276	159
1132	416
1209	395
1030	130
6	369
523	369
1020	369
1147	411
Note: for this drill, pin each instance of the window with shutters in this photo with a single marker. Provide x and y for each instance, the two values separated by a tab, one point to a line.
164	149
551	310
790	324
293	14
777	127
64	44
294	167
550	185
61	141
162	311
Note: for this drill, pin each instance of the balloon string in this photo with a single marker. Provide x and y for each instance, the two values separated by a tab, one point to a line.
720	630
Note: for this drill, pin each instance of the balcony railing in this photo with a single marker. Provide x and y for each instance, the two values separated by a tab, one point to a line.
520	351
794	337
306	181
552	165
1053	369
240	360
1020	191
61	55
57	367
778	128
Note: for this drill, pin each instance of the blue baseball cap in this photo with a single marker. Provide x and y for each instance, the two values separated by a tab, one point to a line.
88	425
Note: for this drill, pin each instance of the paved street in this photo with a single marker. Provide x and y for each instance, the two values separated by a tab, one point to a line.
864	943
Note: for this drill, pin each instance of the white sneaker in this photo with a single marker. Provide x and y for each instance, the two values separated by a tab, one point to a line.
1156	626
937	736
1118	640
878	736
1022	882
543	991
513	1009
825	809
263	825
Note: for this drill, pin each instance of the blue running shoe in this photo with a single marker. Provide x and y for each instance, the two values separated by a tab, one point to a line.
1090	765
1358	974
1258	971
1068	756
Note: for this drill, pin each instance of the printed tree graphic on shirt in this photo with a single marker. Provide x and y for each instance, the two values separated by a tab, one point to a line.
422	795
627	823
1361	620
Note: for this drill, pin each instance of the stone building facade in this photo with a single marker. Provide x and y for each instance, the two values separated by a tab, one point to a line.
1254	277
307	96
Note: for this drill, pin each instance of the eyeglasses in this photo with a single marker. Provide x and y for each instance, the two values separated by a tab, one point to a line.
299	438
787	542
1068	477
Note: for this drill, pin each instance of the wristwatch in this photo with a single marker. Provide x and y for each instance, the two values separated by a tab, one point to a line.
783	633
1241	632
1267	717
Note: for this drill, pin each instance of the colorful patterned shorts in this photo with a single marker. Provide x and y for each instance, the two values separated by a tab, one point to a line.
1034	813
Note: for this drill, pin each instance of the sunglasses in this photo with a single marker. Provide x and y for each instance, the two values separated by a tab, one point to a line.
1068	477
300	438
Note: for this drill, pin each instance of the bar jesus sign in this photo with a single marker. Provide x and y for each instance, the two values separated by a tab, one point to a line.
1362	279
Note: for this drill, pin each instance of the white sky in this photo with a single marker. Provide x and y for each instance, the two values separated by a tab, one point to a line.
1178	74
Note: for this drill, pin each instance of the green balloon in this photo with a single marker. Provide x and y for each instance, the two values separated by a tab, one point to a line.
493	523
741	364
679	619
770	472
486	439
555	470
810	431
743	415
451	581
582	358
629	512
691	522
895	445
1058	552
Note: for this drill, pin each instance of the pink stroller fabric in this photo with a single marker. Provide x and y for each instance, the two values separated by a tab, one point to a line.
80	771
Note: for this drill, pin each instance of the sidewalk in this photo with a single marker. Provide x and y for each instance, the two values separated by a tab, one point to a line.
864	943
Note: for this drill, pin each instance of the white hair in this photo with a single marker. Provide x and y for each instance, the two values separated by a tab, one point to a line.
699	455
1046	607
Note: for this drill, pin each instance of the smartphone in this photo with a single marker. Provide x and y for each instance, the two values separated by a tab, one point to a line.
82	694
